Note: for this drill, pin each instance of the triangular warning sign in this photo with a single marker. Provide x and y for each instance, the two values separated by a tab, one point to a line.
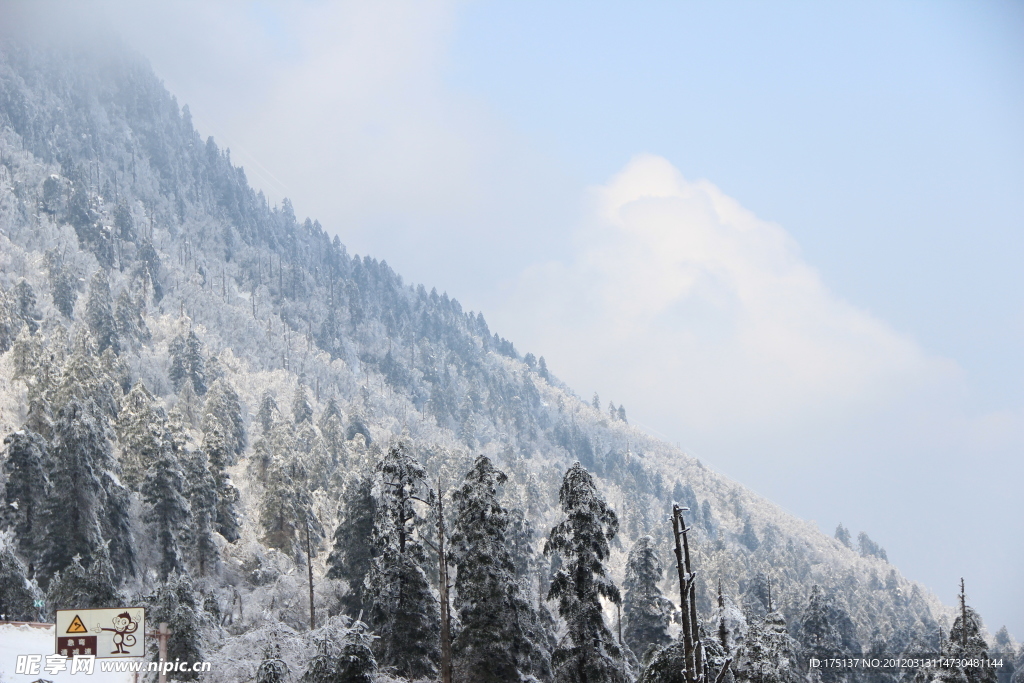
76	626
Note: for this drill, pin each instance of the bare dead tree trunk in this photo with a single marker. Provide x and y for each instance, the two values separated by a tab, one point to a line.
442	561
684	595
309	568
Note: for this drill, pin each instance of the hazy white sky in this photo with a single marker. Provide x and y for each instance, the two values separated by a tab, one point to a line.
787	236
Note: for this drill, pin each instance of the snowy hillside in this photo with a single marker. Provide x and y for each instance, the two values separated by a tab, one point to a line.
199	388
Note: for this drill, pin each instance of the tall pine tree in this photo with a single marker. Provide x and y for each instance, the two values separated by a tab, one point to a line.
587	653
167	509
646	612
353	550
496	642
403	610
187	362
25	491
99	314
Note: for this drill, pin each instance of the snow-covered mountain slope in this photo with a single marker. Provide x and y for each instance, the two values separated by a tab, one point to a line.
122	221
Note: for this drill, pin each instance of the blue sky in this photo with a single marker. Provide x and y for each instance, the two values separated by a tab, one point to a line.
887	138
787	236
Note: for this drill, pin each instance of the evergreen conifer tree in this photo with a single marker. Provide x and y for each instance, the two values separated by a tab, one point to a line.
187	362
966	642
646	612
843	536
177	603
168	511
587	652
223	410
63	284
17	593
332	429
748	537
201	492
768	653
302	411
403	610
72	513
869	548
78	587
287	505
219	456
141	434
353	551
25	305
494	643
825	629
131	327
99	314
84	378
25	491
268	412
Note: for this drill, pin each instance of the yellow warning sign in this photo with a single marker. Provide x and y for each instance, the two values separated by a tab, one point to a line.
76	626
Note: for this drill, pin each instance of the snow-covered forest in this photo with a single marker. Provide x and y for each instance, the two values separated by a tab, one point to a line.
315	471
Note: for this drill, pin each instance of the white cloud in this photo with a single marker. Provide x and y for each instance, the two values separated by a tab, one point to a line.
699	315
342	107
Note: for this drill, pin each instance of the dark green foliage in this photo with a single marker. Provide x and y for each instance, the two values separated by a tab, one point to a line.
268	412
332	429
177	603
168	510
25	305
352	554
63	284
967	642
223	411
302	411
587	653
124	223
17	593
498	640
219	456
131	327
757	595
869	548
402	609
825	629
286	508
350	662
748	537
77	587
664	665
646	612
187	363
72	514
768	654
355	663
141	434
99	314
357	426
150	266
88	504
272	669
201	492
92	234
25	491
843	536
53	195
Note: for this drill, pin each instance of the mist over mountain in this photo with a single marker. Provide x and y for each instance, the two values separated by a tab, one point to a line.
201	392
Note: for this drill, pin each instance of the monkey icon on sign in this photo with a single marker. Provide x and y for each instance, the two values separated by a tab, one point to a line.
124	627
